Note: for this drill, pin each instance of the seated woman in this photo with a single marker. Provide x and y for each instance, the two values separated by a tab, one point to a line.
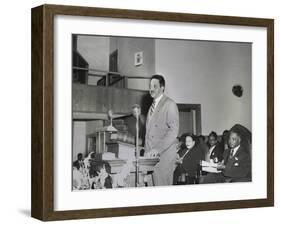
188	161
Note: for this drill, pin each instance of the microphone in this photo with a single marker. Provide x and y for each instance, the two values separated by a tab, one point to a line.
136	110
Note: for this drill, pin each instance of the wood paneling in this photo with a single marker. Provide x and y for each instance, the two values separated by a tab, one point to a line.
99	99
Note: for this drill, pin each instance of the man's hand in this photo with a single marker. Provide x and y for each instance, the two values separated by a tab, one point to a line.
179	161
221	166
153	154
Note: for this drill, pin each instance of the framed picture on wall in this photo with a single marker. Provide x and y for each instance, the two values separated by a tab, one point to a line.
130	106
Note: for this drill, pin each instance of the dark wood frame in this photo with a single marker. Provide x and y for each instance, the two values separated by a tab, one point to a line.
42	202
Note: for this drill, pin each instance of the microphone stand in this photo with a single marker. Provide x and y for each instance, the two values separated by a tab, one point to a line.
136	108
137	151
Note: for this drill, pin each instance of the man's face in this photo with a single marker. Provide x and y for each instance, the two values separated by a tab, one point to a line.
154	89
212	141
80	157
234	140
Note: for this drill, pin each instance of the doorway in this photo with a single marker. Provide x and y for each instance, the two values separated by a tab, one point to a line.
189	118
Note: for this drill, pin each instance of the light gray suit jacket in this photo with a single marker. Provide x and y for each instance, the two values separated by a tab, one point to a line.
161	134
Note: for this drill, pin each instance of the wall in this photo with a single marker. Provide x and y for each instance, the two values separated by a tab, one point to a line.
196	72
80	131
127	47
15	185
79	139
95	50
204	72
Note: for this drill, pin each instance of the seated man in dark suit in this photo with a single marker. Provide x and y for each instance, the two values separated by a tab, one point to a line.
215	151
236	163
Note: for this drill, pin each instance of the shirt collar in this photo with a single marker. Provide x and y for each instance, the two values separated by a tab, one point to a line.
157	100
235	149
212	148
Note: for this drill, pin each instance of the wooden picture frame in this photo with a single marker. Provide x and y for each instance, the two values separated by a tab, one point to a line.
42	203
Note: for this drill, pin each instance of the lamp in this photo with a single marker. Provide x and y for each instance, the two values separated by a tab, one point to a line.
107	129
136	113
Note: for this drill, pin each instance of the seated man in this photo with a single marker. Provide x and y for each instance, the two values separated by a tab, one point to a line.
79	162
215	151
236	164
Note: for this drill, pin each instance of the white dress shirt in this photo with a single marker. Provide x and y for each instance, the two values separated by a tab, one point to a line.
157	100
235	150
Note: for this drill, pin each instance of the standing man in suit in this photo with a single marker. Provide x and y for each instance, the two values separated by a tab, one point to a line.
162	127
236	164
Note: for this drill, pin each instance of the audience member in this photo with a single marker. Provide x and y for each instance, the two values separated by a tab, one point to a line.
79	162
188	160
215	150
236	164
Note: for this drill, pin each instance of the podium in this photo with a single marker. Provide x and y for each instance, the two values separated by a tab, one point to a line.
145	168
126	152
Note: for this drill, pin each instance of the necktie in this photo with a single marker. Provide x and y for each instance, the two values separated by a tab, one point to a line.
152	108
231	153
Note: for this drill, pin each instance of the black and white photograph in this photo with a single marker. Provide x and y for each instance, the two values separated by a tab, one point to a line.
160	112
149	112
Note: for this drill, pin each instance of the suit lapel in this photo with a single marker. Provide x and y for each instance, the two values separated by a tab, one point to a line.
213	151
227	156
156	110
228	159
237	152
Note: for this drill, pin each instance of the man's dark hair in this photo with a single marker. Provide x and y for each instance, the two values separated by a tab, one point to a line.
79	155
237	132
201	137
225	135
160	78
213	134
225	132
